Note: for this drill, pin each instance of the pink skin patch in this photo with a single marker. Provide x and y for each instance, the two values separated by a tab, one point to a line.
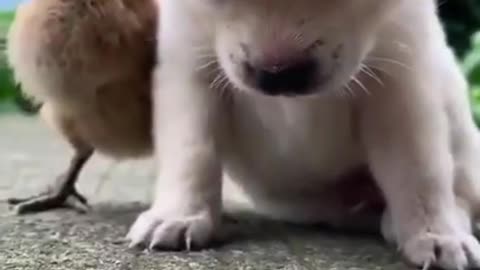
359	192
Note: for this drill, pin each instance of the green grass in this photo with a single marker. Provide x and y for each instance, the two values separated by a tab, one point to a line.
5	19
471	67
7	88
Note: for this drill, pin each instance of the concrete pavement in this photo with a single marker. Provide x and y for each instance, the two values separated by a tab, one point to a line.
31	156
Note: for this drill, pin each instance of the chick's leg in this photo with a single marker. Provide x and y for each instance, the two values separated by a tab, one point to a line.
62	193
59	194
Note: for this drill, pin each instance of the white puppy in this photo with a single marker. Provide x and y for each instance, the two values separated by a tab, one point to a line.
284	101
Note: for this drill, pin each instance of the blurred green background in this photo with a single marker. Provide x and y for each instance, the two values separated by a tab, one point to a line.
461	19
7	89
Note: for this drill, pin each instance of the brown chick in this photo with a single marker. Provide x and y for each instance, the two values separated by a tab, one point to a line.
89	63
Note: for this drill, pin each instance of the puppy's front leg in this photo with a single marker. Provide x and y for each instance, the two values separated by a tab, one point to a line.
405	130
186	209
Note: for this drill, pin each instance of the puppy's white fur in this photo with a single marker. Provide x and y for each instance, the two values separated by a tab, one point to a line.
413	129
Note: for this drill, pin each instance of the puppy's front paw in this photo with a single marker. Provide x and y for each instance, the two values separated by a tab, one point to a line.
448	251
173	232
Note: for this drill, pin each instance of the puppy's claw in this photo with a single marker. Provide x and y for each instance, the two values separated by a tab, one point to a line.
181	233
188	243
426	265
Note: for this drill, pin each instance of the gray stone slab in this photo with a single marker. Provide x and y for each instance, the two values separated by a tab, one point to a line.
31	156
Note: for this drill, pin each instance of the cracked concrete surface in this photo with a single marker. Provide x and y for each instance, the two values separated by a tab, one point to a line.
31	156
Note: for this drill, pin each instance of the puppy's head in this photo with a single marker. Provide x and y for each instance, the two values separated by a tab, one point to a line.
294	47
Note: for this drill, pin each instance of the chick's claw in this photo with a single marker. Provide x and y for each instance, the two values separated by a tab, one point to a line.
46	201
62	194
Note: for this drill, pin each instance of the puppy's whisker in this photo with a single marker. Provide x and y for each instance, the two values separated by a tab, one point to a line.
221	85
220	82
380	69
359	83
369	72
389	60
348	91
206	56
214	71
298	37
207	65
225	85
214	83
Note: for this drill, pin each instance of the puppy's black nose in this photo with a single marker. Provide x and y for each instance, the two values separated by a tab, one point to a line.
293	79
